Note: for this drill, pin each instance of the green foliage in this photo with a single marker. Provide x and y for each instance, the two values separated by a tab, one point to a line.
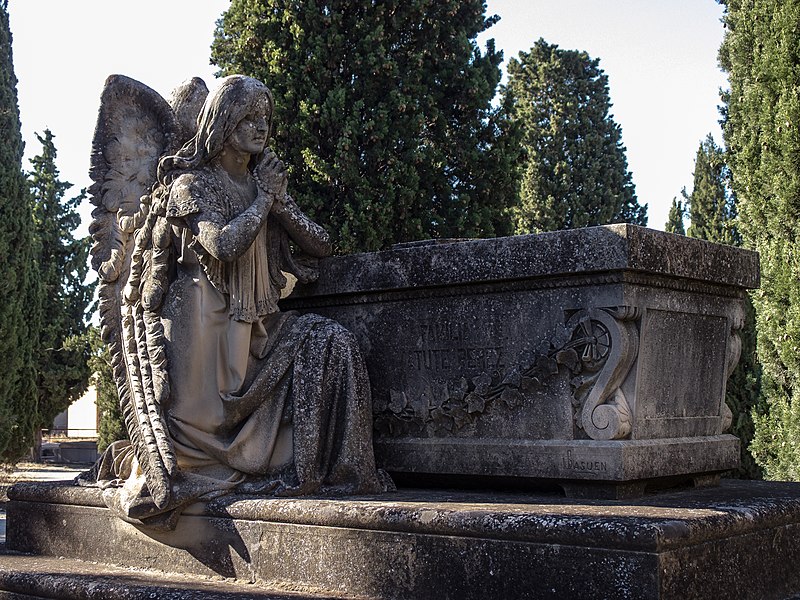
20	291
383	113
761	53
62	370
745	399
112	425
712	208
675	218
576	173
712	211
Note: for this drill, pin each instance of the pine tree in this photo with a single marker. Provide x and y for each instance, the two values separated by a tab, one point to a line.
712	211
675	218
576	173
762	111
20	291
383	113
63	372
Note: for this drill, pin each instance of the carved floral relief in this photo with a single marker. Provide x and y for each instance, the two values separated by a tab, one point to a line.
595	348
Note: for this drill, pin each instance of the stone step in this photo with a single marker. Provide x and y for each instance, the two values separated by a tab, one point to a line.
23	576
740	540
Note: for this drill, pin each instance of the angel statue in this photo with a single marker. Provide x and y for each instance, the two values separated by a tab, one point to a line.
194	234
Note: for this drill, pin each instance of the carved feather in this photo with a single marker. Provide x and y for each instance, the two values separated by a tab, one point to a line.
187	100
135	127
146	444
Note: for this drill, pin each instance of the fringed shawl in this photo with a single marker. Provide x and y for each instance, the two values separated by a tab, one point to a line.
253	282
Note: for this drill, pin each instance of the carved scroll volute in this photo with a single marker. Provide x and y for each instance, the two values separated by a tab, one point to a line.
606	414
734	353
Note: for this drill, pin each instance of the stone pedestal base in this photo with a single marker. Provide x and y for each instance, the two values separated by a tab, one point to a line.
613	469
739	540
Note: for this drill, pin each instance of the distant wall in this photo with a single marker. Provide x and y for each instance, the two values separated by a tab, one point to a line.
82	415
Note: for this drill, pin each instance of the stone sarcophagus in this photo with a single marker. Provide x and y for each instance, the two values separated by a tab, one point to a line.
595	358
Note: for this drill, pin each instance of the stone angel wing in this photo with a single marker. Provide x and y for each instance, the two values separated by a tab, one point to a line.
131	254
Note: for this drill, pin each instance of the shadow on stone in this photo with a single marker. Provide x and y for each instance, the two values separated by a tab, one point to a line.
212	542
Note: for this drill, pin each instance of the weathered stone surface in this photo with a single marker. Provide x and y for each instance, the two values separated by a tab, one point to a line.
24	577
598	354
575	464
608	248
741	540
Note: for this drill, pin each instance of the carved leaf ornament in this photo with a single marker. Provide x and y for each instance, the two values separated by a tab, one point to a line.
602	346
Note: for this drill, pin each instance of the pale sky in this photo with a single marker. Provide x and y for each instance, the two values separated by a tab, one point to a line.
660	57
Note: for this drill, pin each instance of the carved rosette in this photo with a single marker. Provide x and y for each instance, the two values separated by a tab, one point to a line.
607	343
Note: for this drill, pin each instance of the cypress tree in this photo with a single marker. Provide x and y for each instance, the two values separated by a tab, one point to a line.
712	210
383	113
744	397
20	291
760	55
576	173
674	222
63	372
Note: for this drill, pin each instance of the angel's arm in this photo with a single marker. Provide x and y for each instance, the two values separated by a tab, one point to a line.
225	241
272	178
310	237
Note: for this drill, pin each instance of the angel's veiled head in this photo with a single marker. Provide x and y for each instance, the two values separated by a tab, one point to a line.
236	99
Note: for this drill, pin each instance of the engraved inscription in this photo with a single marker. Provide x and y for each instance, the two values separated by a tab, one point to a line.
460	359
583	465
443	345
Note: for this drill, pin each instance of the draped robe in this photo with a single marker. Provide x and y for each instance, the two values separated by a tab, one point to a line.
260	400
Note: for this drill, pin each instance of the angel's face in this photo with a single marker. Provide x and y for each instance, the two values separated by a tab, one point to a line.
250	135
